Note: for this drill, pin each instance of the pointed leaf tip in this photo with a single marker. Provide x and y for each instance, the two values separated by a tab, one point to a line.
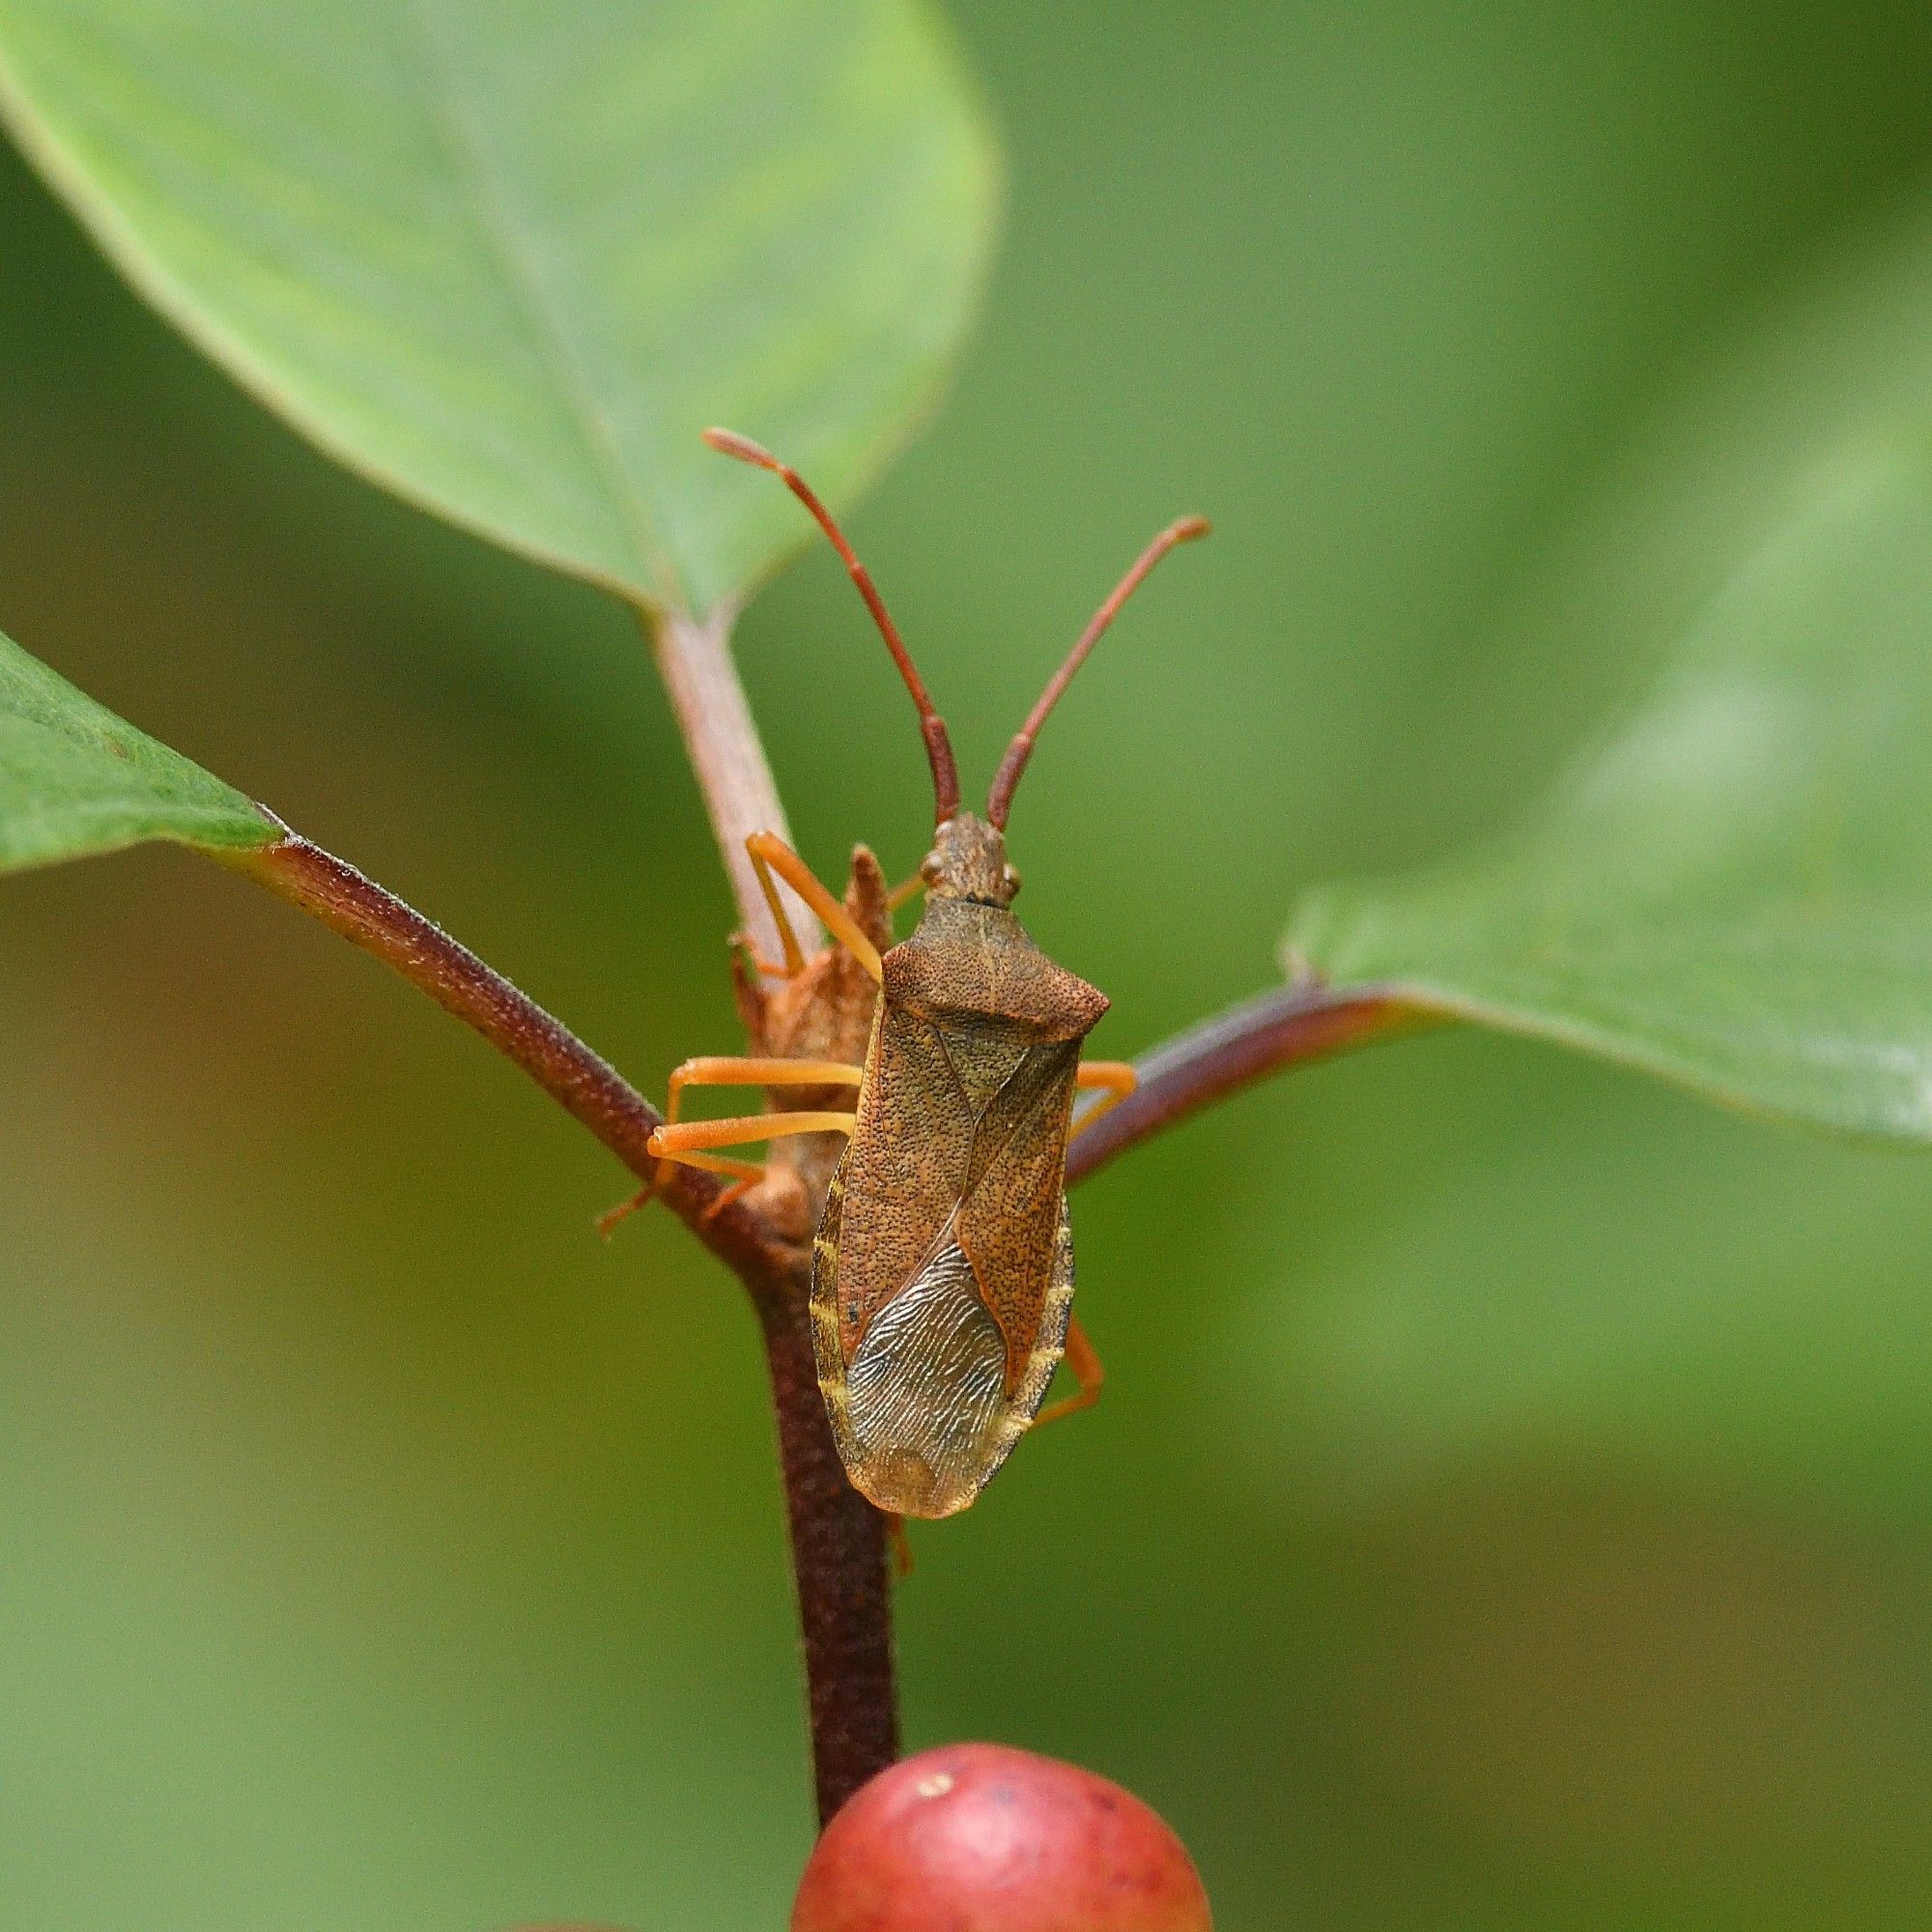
75	780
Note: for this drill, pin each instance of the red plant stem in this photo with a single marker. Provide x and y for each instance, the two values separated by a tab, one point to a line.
1263	1035
839	1556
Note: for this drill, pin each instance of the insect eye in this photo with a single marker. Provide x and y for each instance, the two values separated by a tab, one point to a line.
928	868
1011	878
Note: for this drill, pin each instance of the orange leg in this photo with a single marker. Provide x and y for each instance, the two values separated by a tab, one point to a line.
1085	1364
612	1219
733	1071
746	1175
1115	1078
686	1143
794	955
689	1138
682	1141
771	854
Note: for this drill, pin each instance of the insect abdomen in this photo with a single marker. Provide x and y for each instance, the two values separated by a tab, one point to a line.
926	1388
919	1414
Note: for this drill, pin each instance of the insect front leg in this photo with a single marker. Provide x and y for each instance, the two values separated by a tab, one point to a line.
1117	1080
769	855
1083	1360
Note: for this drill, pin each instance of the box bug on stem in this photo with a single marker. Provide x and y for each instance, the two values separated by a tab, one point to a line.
942	1284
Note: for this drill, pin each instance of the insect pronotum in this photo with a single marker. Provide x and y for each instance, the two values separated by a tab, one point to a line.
942	1283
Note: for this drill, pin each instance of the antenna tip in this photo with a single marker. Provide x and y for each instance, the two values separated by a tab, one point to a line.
728	442
1188	528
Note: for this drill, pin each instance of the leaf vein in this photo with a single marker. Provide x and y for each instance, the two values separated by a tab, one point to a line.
464	138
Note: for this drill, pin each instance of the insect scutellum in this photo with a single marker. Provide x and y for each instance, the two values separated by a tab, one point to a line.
968	860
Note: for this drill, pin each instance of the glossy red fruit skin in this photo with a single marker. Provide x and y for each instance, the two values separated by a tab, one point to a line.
984	1838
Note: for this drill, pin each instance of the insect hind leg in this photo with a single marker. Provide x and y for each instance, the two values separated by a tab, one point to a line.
1083	1361
1116	1079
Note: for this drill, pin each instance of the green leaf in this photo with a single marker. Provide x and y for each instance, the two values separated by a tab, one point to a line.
1733	885
508	257
74	779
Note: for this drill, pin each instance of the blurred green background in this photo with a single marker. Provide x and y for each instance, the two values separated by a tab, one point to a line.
1509	1509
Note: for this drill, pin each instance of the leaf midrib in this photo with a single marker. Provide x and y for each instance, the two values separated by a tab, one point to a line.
463	135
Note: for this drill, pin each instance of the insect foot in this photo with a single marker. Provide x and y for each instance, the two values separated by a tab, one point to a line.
984	1838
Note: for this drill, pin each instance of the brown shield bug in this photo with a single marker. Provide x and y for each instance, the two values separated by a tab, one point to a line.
943	1267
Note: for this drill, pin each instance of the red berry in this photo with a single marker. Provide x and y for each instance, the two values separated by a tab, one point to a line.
982	1838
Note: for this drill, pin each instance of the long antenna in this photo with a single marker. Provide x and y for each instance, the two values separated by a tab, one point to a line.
1000	799
932	727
